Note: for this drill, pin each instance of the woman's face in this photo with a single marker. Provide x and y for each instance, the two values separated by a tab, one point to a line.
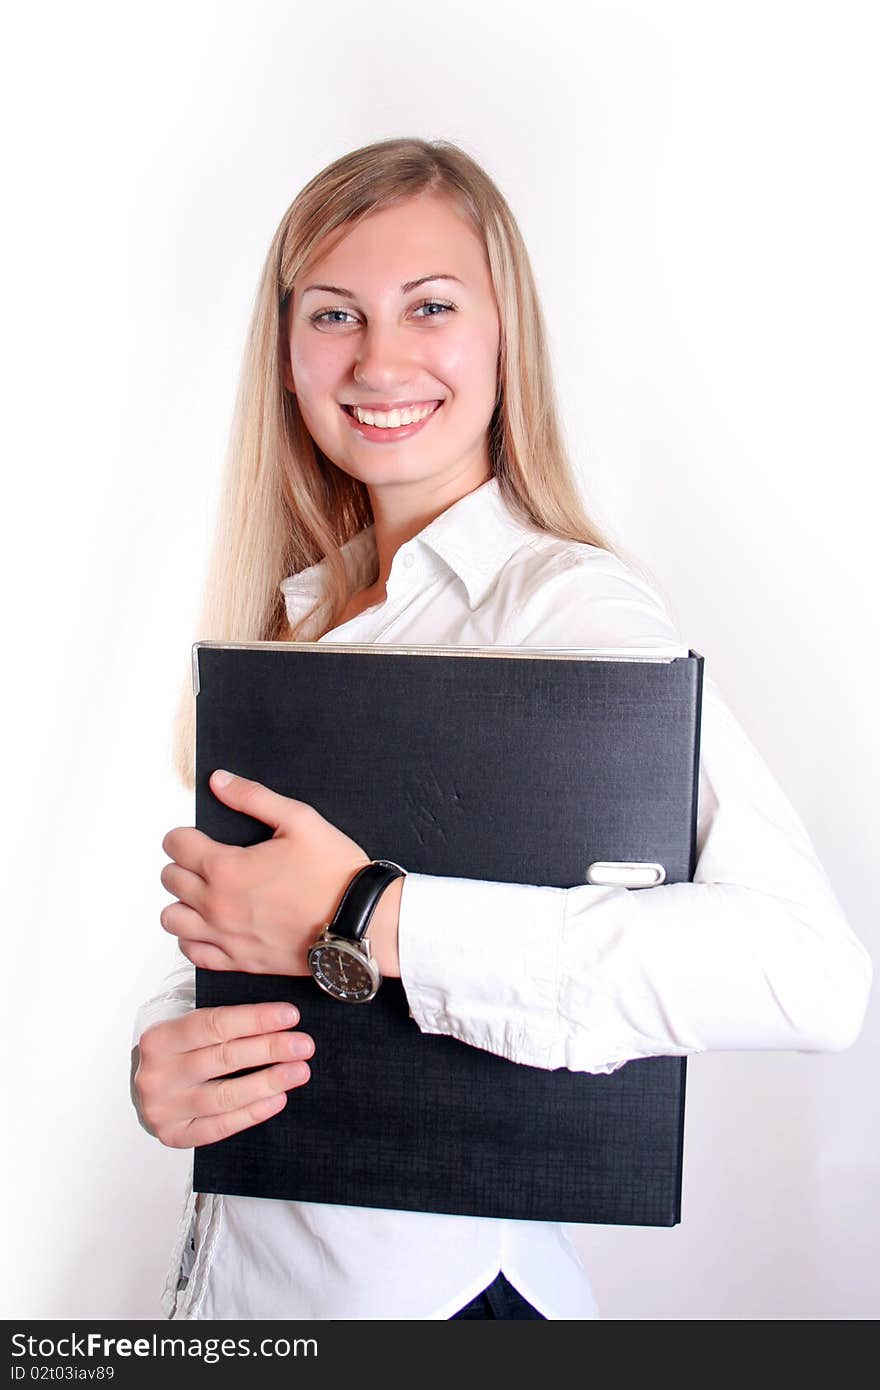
376	339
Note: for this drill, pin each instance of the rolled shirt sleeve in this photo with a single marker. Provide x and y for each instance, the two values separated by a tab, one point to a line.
755	953
175	996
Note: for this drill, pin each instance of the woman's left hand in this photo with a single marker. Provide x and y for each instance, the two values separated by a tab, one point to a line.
257	908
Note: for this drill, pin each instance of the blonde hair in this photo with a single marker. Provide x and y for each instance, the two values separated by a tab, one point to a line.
284	505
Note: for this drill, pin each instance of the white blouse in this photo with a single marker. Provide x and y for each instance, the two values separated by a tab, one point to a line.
755	953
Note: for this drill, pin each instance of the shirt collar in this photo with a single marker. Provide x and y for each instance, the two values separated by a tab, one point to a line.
474	538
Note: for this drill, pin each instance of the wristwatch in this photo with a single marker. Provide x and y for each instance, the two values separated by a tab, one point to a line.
340	959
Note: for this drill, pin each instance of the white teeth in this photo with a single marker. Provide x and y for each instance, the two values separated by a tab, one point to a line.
393	419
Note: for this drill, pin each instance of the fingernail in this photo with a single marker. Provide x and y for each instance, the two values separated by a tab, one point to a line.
288	1013
222	777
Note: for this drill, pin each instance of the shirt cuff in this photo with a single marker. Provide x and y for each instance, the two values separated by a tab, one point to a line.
175	996
479	961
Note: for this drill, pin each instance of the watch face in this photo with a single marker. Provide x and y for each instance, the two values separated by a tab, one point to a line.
343	973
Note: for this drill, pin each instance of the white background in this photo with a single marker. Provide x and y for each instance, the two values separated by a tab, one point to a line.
696	183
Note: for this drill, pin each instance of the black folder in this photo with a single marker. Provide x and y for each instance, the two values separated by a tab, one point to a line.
520	765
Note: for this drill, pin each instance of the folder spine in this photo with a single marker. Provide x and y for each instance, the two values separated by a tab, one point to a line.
698	664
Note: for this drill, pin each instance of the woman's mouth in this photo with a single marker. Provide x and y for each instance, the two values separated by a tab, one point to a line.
385	427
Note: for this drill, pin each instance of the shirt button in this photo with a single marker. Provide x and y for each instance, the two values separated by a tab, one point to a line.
409	559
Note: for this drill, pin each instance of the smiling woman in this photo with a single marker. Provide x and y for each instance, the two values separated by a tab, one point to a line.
397	275
382	370
397	474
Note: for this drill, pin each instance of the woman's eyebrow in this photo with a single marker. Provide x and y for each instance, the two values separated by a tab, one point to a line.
404	289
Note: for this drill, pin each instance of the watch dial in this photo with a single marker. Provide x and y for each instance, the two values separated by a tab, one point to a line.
341	973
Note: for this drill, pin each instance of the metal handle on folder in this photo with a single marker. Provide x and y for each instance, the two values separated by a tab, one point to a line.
625	873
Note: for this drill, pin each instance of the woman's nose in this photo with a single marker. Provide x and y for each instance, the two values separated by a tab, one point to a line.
386	354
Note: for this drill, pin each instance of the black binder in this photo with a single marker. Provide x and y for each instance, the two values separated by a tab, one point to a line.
522	765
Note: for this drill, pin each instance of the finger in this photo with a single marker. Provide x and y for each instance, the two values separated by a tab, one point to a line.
182	921
253	798
192	848
191	931
208	1063
216	1099
224	1094
206	956
208	1131
184	884
233	1093
214	1024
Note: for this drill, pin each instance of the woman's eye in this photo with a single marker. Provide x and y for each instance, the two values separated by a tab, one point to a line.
336	315
434	304
319	318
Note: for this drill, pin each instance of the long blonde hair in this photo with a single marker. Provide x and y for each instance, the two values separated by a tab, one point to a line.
283	504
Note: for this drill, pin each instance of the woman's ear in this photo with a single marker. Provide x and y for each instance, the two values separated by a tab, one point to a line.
284	344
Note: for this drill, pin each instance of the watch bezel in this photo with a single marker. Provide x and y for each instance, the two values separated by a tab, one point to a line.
360	950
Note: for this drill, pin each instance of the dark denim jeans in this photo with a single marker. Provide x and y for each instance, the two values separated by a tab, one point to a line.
499	1300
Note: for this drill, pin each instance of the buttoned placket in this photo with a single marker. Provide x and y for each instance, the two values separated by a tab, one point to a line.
197	1239
406	576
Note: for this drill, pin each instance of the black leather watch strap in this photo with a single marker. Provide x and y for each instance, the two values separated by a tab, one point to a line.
361	897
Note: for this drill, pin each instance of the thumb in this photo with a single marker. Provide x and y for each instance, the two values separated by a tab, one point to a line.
252	798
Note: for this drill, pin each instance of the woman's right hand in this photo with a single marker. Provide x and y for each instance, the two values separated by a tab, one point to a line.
179	1087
